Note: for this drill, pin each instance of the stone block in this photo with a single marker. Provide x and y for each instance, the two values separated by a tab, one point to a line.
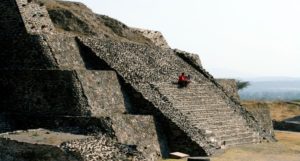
35	17
76	93
156	37
178	155
138	130
230	87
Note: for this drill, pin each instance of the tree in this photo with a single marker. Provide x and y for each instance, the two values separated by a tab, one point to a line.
242	84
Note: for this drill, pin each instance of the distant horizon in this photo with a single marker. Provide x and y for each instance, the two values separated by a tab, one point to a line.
228	74
255	38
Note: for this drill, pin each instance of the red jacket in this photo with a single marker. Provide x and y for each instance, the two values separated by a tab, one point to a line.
182	78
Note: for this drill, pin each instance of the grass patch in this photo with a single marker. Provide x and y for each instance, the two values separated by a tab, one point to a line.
287	148
279	110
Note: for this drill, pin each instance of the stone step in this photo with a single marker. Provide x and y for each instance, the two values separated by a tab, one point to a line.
239	141
181	92
207	114
193	97
229	129
216	107
213	118
223	128
199	108
198	91
190	86
218	121
202	111
235	135
214	121
203	103
218	126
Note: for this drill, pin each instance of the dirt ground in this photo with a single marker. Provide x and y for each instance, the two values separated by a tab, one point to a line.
286	149
42	136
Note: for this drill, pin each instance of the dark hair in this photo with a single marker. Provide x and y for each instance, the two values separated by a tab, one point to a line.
182	73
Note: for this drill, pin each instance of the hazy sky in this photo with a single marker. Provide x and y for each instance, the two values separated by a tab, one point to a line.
234	38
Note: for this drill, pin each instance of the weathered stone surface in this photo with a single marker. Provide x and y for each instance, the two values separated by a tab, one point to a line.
261	112
82	95
45	72
230	87
70	124
206	110
65	51
79	93
146	67
156	37
139	131
102	148
178	155
12	150
190	58
42	136
11	24
42	93
84	148
35	17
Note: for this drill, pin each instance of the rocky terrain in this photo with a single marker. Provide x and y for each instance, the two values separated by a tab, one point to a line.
78	19
45	145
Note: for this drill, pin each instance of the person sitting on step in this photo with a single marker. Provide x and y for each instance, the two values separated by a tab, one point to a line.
183	80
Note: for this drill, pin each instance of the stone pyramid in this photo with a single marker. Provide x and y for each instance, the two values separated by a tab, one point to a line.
124	81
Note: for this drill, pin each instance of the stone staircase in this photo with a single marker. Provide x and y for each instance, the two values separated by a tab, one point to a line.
206	110
203	111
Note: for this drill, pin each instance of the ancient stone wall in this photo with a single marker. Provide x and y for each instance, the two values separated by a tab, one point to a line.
26	53
102	148
82	125
192	59
261	112
35	17
142	64
13	150
230	87
139	130
155	36
93	93
42	92
144	67
20	50
97	148
11	24
65	51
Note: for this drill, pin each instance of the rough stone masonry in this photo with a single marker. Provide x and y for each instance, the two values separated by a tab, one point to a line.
119	77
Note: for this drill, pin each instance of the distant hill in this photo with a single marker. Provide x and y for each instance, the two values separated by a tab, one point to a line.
272	89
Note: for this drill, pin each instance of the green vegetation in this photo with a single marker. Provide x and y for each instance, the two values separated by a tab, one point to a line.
242	84
296	100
